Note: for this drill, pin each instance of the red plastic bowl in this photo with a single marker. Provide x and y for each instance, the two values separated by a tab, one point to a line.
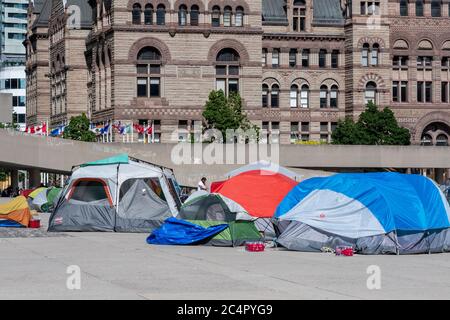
34	224
254	246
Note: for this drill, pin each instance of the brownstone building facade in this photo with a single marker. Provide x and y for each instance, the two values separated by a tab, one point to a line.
38	85
299	65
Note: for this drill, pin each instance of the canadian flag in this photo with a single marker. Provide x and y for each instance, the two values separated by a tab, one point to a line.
44	128
139	128
30	130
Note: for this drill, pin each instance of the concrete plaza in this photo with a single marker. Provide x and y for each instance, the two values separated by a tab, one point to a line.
122	266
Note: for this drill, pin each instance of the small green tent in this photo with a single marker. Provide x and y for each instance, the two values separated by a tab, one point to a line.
208	210
45	200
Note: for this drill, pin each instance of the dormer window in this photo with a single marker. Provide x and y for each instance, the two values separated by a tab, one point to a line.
299	16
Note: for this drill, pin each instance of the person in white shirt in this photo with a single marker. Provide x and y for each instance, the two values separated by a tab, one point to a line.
202	185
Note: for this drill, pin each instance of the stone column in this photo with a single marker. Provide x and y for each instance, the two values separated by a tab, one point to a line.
35	178
15	179
439	175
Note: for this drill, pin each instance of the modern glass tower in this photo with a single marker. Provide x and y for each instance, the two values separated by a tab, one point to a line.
13	28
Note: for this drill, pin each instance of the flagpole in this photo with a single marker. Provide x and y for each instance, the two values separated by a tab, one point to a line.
153	131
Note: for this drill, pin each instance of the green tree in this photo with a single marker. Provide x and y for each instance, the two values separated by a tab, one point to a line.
224	113
78	129
374	127
345	132
3	174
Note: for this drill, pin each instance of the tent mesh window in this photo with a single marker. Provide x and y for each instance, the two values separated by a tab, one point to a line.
152	183
89	191
174	193
210	208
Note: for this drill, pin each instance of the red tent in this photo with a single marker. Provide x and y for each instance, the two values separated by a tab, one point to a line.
216	185
258	191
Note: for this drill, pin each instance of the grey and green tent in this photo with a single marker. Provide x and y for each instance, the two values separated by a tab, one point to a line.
208	210
119	194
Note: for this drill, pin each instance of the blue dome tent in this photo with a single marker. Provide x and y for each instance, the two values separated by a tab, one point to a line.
375	213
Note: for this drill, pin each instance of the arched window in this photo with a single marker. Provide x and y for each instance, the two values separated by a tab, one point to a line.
323	96
161	15
136	13
365	55
436	6
304	96
442	140
334	96
226	55
370	93
148	14
182	15
227	16
294	96
239	18
275	96
215	16
426	140
149	72
404	8
227	71
419	8
265	95
374	54
194	15
149	53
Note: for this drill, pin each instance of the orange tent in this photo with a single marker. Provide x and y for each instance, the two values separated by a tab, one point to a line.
258	191
16	210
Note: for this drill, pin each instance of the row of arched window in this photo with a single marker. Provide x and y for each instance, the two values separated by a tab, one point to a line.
149	13
149	64
299	96
436	8
187	16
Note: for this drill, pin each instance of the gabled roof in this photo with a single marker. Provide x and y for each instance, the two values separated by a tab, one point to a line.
273	12
45	8
328	12
37	6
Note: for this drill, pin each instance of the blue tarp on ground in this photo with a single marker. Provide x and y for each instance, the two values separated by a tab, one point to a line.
10	224
180	232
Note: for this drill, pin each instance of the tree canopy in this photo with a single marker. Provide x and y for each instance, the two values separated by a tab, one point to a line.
225	113
374	127
78	129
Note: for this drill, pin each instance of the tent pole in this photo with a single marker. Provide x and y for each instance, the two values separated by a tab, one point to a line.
117	198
